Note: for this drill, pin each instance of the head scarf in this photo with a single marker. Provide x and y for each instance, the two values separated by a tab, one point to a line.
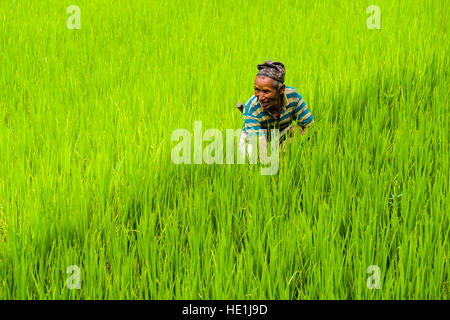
272	69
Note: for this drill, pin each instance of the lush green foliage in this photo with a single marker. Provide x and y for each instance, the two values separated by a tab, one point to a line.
86	178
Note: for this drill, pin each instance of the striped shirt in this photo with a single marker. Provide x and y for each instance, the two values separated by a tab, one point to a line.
256	120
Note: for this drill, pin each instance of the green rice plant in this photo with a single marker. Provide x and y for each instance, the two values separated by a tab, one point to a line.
87	180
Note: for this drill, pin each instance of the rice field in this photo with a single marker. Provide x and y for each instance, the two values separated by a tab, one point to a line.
93	207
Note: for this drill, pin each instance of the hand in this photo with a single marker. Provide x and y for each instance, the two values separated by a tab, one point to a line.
283	144
290	135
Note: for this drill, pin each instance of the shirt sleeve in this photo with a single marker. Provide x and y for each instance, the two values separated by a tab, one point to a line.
251	127
302	113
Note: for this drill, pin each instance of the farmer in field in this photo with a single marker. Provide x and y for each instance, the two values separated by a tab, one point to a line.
273	106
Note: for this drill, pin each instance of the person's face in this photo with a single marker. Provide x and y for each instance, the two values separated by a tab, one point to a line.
267	95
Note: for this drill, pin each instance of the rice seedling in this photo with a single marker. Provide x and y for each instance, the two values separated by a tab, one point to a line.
93	207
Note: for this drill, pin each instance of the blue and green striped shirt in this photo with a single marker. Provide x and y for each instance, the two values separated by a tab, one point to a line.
256	120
